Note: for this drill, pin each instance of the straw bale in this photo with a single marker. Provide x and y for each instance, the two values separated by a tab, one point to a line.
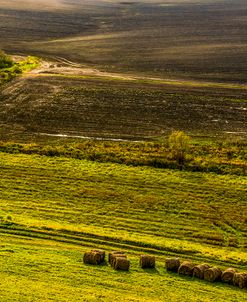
147	261
87	258
114	252
172	264
112	255
240	280
92	258
186	268
122	264
213	274
198	270
102	254
113	260
228	274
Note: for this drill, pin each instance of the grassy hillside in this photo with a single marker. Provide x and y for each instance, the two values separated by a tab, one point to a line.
44	270
53	209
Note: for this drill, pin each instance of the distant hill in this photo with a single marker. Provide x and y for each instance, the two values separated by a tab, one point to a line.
185	38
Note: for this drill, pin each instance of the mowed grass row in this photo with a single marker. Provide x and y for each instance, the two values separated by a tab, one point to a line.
200	214
38	270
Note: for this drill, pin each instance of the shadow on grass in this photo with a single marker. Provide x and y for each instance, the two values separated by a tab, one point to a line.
217	284
103	264
151	271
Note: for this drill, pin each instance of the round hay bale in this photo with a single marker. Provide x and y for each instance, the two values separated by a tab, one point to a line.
240	280
113	260
172	264
198	270
102	254
92	258
227	275
96	258
111	255
121	263
236	279
243	281
212	274
147	261
87	258
186	268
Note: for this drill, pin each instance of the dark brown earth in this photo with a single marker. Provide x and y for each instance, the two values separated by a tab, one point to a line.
60	99
103	55
200	39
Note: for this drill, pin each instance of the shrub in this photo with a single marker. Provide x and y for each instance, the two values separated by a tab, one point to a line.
179	144
5	61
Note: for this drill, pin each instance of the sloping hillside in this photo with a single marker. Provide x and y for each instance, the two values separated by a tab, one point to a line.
186	39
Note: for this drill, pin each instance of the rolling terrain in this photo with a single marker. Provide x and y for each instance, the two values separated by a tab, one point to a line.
198	39
84	157
126	69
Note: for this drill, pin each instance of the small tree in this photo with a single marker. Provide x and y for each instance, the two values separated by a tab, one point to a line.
179	143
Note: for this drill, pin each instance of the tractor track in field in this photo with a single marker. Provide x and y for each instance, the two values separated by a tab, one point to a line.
59	66
85	239
104	242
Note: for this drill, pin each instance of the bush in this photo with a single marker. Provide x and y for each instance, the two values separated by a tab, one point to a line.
179	144
5	61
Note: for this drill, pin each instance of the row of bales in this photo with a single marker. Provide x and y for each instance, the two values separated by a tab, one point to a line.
207	272
118	260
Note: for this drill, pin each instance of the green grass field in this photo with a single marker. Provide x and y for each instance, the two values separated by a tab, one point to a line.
53	209
41	270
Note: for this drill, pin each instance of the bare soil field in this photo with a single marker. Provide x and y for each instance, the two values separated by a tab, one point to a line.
199	39
126	69
62	98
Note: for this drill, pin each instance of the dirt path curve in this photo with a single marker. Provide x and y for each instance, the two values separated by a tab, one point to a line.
62	66
59	66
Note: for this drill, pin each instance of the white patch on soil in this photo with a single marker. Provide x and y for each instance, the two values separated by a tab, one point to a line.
89	137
